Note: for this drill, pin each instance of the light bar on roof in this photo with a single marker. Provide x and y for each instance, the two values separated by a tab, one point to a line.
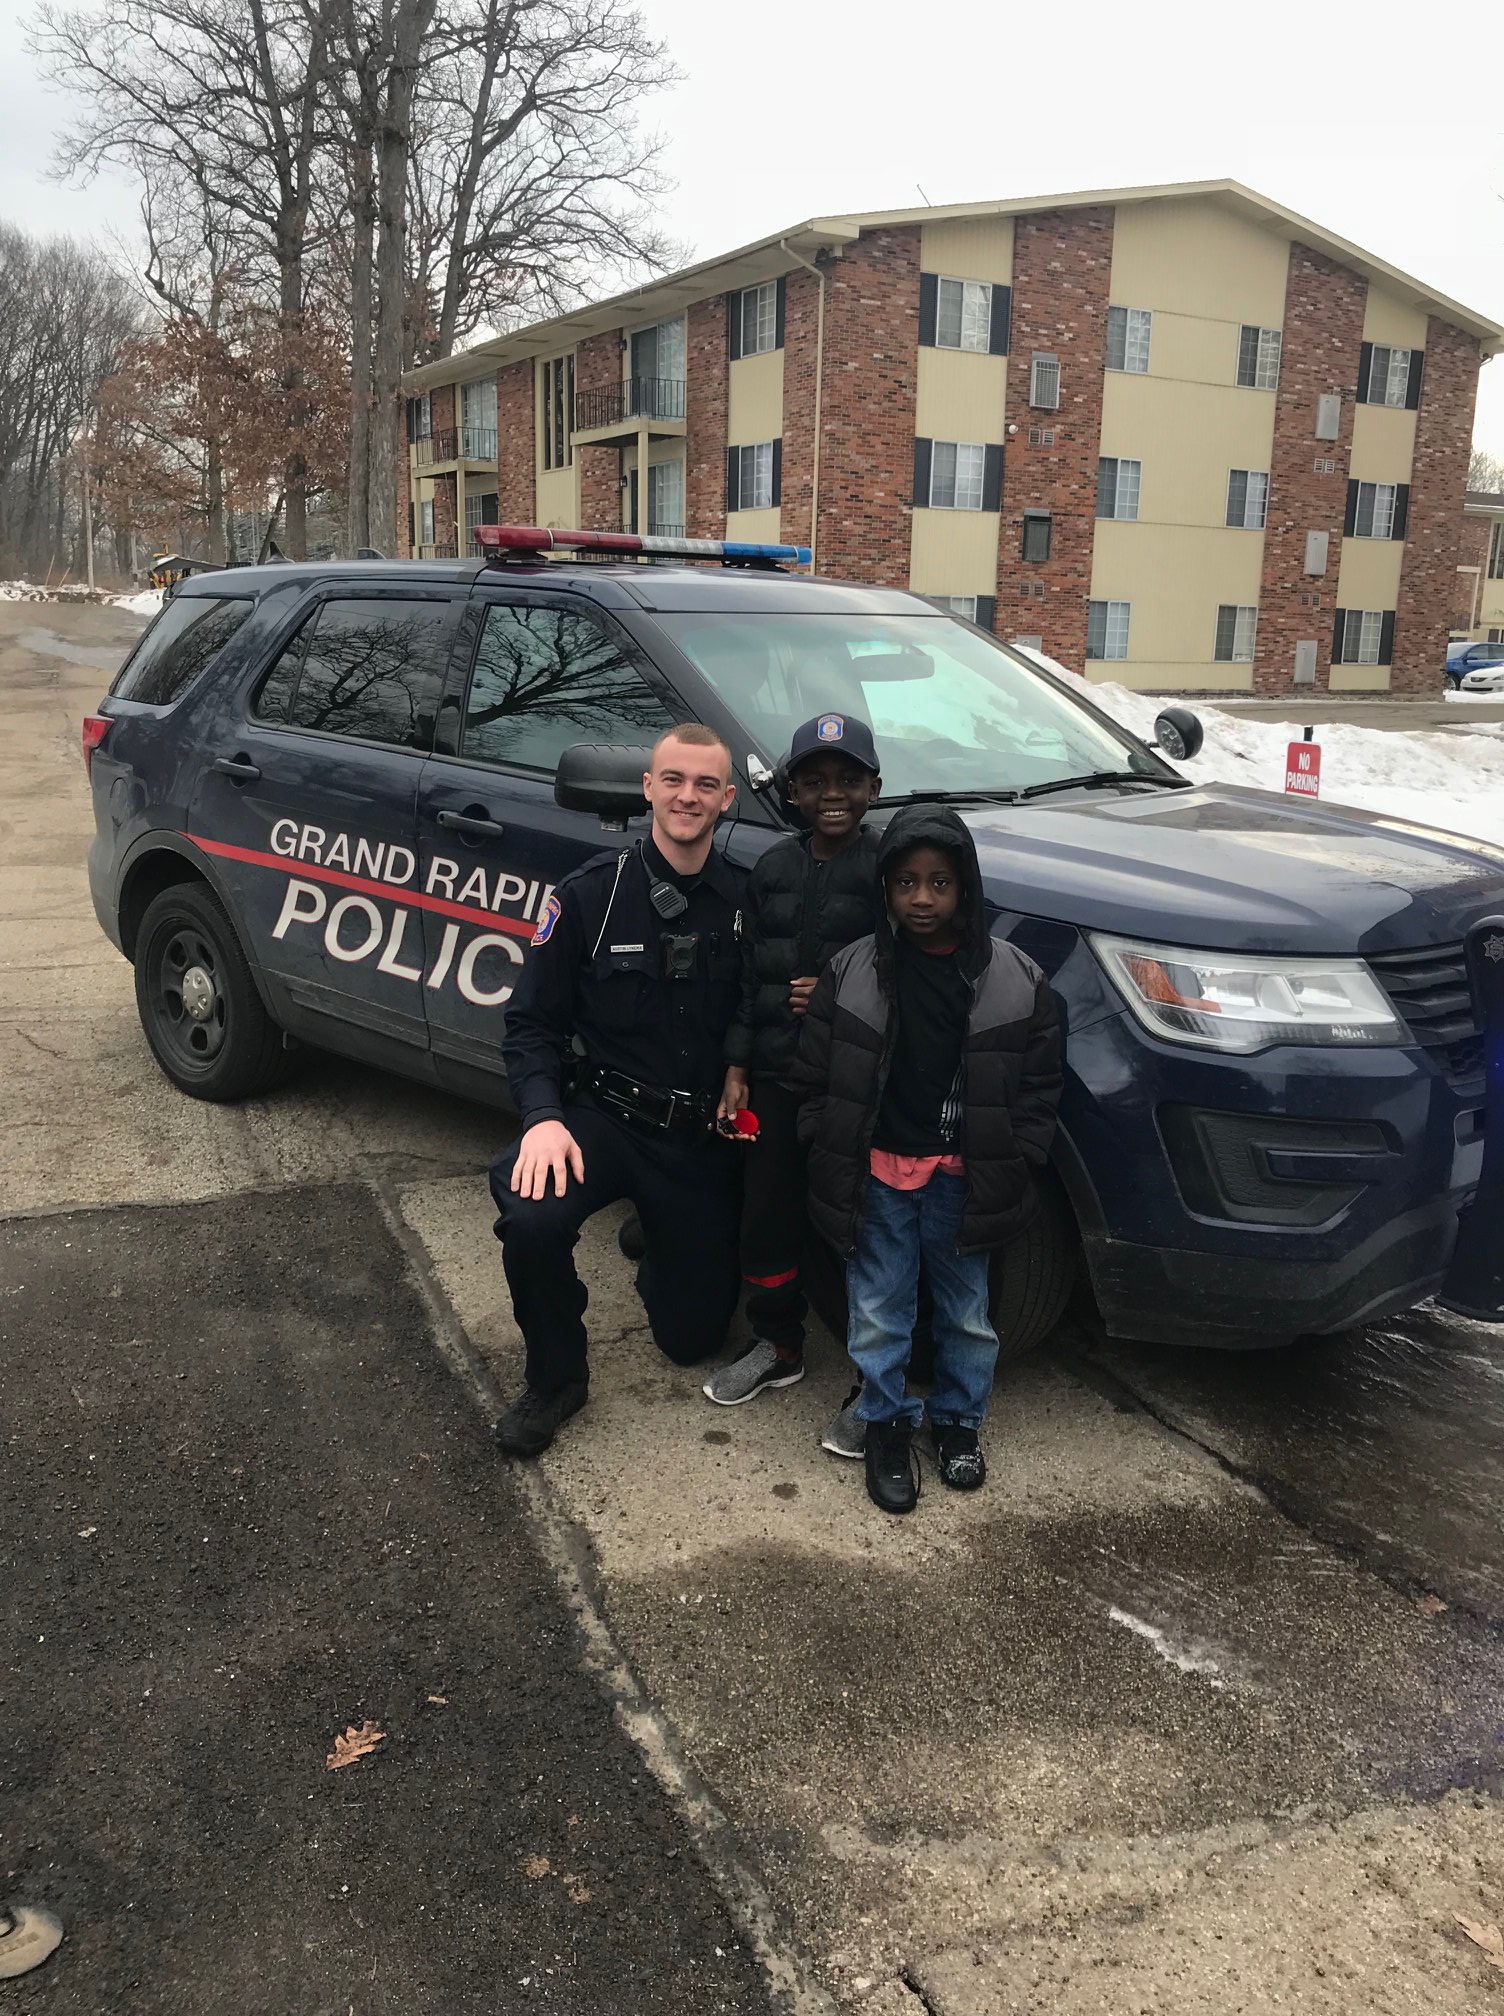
496	540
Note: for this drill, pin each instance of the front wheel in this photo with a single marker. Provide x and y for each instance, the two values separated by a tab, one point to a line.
199	1007
1033	1277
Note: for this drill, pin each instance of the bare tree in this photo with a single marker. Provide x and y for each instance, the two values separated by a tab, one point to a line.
1485	472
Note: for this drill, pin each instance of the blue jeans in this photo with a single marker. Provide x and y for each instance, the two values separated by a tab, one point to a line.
882	1285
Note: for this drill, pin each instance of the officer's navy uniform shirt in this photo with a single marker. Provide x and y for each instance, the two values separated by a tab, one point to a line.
668	1034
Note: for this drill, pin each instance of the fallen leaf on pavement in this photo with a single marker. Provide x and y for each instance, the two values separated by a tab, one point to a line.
536	1866
578	1892
1429	1606
1488	1937
353	1744
439	1700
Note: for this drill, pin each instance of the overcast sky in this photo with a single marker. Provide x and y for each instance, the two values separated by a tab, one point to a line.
1382	123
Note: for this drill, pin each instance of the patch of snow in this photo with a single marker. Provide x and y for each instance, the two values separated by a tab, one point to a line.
147	603
1180	1657
1443	779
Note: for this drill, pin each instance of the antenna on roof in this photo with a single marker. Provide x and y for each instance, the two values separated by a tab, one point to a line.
924	199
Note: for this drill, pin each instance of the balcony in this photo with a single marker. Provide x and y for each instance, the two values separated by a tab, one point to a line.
632	406
441	550
455	445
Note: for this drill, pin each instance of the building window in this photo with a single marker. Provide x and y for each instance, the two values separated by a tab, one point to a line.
1107	629
481	508
963	315
420	417
1496	551
1044	380
1037	528
959	605
1128	339
956	472
1258	357
478	420
1247	498
1117	487
657	357
1373	510
425	522
752	476
1387	380
1363	637
759	319
666	499
558	412
1237	628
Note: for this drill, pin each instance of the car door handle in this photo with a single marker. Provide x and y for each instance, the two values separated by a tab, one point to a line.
477	828
239	767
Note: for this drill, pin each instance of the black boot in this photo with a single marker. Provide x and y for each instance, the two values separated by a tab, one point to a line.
533	1419
892	1473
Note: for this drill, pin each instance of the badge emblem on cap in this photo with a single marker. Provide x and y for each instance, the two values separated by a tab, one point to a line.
830	727
1493	947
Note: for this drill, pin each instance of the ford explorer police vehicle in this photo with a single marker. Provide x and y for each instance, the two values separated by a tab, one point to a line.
332	802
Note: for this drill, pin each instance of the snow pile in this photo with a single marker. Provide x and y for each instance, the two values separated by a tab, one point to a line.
147	603
1452	779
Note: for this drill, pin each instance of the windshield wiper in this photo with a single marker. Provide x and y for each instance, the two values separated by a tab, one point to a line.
1094	777
934	795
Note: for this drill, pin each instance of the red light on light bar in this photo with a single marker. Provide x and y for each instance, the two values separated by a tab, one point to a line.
497	540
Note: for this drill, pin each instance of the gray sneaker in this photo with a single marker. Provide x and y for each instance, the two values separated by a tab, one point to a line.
754	1372
847	1435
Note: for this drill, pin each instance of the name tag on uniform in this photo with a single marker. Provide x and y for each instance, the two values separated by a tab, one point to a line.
629	948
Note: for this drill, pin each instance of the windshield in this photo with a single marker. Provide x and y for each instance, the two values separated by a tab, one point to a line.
951	711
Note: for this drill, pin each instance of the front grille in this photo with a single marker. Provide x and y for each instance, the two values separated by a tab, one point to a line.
1430	991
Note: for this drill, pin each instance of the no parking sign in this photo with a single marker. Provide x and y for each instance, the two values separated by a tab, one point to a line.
1303	769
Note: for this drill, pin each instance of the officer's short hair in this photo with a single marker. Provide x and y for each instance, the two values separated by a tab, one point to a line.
697	735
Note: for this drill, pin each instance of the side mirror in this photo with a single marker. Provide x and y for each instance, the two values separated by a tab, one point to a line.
604	778
1180	733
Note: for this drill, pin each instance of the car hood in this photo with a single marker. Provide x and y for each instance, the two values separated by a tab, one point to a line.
1233	869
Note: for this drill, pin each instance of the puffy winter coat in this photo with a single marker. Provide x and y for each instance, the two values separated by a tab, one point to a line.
796	913
1011	1058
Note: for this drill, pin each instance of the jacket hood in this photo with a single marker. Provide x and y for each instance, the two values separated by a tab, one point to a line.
938	826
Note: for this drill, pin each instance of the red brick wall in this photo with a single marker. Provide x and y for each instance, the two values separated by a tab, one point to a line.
442	407
800	320
404	491
598	362
1062	270
867	419
705	359
516	449
444	538
1323	331
1438	484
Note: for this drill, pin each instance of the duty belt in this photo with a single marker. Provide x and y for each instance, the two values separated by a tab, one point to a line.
660	1107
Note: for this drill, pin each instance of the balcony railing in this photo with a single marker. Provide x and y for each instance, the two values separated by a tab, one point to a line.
441	550
458	444
629	399
661	529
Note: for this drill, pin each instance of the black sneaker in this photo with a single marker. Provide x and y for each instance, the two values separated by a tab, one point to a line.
533	1420
892	1472
958	1456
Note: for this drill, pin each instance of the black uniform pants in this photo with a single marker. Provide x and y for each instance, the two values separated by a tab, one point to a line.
775	1222
687	1191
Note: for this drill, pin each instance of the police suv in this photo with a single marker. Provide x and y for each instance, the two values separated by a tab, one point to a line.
332	802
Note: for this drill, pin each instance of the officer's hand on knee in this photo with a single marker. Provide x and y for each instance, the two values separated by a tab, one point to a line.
546	1148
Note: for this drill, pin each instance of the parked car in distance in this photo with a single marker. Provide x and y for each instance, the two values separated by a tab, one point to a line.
1484	679
1464	657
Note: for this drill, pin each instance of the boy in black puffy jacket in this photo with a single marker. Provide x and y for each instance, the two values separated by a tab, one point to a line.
807	897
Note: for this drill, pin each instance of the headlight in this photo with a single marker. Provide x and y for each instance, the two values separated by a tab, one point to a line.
1241	1001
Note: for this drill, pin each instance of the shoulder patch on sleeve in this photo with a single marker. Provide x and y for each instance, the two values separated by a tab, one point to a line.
548	917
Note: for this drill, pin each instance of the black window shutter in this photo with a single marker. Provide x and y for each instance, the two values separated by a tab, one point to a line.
1386	638
778	470
992	477
1365	369
986	612
1248	354
1338	630
411	528
1401	510
929	308
922	449
1350	516
1227	627
733	473
1412	389
412	419
1002	319
1107	485
733	326
778	313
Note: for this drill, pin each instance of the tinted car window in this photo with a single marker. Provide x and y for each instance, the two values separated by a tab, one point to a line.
546	677
372	669
179	645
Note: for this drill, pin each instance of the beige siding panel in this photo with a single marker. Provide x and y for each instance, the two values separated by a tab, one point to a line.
754	525
1191	257
969	248
1187	437
754	399
1207	678
1360	679
1369	574
1176	578
960	396
558	497
1390	318
1491	607
1383	444
954	552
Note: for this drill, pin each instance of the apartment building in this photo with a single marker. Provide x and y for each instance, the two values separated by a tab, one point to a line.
1178	437
1479	611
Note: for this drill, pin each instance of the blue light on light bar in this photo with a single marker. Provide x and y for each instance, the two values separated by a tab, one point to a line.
545	539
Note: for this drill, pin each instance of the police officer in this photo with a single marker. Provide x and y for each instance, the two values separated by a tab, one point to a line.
636	961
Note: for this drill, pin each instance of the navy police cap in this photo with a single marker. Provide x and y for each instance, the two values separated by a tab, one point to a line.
843	733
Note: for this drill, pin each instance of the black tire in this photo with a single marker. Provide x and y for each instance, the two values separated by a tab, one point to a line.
228	1048
1034	1278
